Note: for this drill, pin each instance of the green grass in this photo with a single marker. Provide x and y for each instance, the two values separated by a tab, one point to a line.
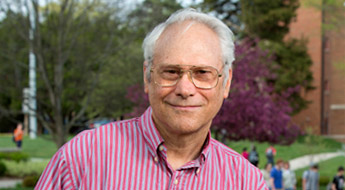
303	146
41	147
22	169
327	168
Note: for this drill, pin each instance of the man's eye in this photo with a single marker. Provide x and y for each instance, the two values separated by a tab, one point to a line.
170	71
202	71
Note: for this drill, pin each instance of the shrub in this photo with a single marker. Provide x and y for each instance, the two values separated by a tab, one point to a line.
30	181
2	169
22	169
15	156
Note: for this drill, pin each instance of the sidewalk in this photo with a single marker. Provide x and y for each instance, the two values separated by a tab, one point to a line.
9	182
305	161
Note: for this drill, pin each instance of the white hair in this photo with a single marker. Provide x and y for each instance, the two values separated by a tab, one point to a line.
224	33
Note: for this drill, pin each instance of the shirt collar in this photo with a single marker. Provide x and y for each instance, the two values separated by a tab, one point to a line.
154	139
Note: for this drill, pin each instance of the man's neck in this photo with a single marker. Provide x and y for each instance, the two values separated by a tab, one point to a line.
182	149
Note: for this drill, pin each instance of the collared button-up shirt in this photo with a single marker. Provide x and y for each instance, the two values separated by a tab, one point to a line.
131	155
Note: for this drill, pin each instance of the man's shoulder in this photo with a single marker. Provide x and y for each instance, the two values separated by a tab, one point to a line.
227	151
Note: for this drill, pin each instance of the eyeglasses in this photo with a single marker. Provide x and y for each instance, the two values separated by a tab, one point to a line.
204	77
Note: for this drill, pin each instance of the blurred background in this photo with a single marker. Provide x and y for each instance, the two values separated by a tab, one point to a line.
73	65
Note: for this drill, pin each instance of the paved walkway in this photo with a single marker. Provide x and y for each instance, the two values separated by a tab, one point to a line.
9	182
304	161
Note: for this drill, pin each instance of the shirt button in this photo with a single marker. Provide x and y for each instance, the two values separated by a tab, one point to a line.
156	159
198	170
161	147
176	182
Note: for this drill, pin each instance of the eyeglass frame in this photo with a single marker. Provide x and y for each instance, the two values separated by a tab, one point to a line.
190	74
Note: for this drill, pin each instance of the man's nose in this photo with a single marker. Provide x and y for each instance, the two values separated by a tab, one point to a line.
185	86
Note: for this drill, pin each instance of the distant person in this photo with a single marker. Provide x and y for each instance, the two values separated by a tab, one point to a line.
18	135
244	153
266	173
254	156
276	180
311	178
338	180
289	177
270	153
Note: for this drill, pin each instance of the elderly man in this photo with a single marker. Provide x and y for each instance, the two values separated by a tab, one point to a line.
187	75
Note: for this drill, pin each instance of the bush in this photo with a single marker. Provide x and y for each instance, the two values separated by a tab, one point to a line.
22	169
15	156
2	169
323	181
30	181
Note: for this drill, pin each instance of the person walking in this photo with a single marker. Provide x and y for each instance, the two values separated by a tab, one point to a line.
289	177
18	135
338	180
266	173
270	153
244	153
254	156
311	178
276	180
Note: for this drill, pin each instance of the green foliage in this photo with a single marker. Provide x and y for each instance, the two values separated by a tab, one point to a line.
14	156
292	67
268	20
2	168
30	181
23	169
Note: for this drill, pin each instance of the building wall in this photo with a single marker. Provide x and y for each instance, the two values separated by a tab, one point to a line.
308	24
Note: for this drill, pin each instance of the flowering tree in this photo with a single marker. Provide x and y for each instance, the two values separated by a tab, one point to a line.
253	110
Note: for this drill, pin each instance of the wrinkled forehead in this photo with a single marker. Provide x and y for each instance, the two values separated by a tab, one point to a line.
187	31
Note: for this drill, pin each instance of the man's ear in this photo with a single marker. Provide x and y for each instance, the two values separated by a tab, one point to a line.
228	84
146	82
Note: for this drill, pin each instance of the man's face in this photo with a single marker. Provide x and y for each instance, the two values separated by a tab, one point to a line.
183	108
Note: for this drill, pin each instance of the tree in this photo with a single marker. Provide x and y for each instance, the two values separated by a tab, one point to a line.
269	22
253	110
72	41
116	78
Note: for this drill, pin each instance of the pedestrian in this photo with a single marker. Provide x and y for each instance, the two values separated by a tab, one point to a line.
254	157
277	176
338	180
244	153
266	173
311	178
270	153
18	135
187	75
289	177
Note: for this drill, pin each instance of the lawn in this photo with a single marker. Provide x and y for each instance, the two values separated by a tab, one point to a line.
41	147
303	146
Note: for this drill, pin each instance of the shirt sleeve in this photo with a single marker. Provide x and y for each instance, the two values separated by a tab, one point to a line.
57	174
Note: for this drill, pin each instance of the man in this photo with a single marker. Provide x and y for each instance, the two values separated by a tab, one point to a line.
187	74
338	180
277	176
18	135
289	177
311	178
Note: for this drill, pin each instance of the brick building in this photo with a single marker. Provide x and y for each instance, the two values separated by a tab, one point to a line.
326	46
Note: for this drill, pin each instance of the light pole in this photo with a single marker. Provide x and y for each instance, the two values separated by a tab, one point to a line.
32	75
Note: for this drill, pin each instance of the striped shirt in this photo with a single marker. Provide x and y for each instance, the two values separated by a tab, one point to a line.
131	155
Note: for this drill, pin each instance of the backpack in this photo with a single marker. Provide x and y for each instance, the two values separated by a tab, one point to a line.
253	157
269	152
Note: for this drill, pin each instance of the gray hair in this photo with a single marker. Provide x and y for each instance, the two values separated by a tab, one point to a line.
224	33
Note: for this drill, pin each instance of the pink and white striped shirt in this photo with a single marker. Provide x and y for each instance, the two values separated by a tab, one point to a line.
131	155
